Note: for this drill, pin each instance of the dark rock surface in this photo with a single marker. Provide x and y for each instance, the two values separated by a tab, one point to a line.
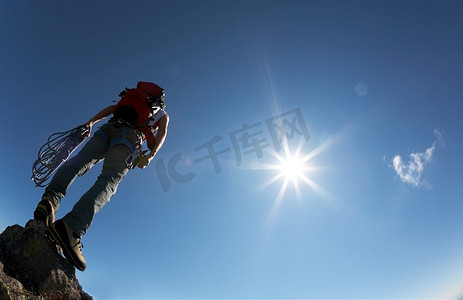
32	268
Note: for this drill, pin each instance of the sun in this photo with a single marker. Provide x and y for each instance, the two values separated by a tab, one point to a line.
292	168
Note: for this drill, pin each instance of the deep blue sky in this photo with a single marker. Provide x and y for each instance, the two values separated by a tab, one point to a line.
376	83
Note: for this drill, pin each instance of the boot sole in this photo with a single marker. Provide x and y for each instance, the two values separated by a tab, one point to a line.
67	253
42	216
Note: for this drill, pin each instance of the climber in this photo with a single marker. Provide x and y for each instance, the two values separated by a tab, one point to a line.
138	115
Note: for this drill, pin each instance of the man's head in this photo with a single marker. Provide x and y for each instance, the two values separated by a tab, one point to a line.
155	92
159	100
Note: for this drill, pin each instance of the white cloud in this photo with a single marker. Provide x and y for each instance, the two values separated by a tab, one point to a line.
411	171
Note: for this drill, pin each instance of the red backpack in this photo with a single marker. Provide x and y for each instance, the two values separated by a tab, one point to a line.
135	107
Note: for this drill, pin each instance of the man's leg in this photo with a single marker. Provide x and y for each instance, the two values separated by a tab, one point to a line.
114	170
78	165
67	232
90	154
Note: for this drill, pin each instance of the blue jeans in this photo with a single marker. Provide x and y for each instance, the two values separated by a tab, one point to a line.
111	143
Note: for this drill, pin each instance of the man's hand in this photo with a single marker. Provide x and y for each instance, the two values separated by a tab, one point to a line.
146	159
98	117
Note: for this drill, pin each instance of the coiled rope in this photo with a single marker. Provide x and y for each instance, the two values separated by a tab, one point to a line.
55	151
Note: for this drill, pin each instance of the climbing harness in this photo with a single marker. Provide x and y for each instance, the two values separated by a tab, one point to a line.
55	151
132	160
136	153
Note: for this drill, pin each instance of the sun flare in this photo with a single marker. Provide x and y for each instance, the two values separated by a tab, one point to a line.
295	168
291	168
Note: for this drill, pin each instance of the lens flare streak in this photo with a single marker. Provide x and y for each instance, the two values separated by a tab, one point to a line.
293	168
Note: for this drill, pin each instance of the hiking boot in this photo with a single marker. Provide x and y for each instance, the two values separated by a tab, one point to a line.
45	212
72	247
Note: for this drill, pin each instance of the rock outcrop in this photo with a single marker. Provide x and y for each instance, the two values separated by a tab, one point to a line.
31	266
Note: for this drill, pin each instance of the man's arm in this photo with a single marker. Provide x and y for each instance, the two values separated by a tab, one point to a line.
100	116
158	141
